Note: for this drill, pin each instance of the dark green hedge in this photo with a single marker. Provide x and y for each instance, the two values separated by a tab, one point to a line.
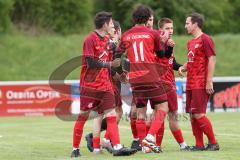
5	10
221	16
62	16
73	16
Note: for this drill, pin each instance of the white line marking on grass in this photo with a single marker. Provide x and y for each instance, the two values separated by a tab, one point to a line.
189	132
226	134
1	136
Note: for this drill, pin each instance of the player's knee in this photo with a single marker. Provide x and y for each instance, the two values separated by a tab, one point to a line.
172	116
110	113
83	114
141	114
162	106
133	115
119	113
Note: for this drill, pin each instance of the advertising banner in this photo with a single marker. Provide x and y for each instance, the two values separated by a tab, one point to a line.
226	96
29	99
37	98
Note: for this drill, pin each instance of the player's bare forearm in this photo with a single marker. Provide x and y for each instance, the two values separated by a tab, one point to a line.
211	67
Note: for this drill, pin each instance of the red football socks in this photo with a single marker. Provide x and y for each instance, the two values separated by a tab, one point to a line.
159	135
96	142
78	130
206	127
112	130
197	132
148	125
106	136
133	128
157	122
141	129
178	136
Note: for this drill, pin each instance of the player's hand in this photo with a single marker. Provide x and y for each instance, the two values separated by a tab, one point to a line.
116	77
116	62
209	87
170	43
181	71
164	37
124	78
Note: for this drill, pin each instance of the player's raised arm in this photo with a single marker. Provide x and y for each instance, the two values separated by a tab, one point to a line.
159	43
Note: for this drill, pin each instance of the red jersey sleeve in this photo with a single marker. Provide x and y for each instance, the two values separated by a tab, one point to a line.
208	46
123	45
157	42
88	47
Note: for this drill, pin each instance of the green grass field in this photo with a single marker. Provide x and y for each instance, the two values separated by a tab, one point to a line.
27	57
48	138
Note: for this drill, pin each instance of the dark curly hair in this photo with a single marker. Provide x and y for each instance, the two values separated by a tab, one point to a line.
142	14
101	18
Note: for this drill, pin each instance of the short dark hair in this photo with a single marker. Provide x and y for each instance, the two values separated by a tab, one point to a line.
197	18
101	18
116	25
142	14
163	21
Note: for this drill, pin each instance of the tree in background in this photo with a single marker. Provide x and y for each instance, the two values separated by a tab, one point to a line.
65	16
75	16
234	18
31	13
69	16
217	13
5	9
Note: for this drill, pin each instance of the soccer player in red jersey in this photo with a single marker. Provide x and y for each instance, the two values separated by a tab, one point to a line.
166	25
200	70
144	45
96	90
133	112
116	74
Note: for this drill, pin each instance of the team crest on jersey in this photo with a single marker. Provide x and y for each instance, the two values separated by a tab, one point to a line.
90	105
190	56
97	47
196	46
170	61
103	54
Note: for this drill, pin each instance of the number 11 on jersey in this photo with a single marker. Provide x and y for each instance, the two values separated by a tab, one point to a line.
139	47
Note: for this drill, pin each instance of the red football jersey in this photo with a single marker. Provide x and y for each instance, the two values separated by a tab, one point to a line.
169	75
96	78
168	62
141	44
199	49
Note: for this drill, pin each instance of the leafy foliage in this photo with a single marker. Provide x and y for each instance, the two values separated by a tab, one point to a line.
73	16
